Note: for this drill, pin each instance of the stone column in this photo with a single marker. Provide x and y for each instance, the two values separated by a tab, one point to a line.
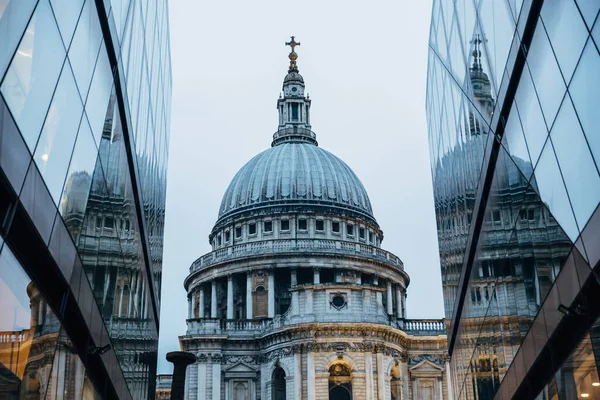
399	302
202	381
293	277
310	376
216	377
449	382
271	294
358	278
229	296
201	304
390	304
369	375
213	299
308	302
440	388
249	295
379	295
297	374
190	301
316	276
380	378
404	304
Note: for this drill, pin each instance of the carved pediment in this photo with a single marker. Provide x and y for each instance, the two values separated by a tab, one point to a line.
425	365
240	367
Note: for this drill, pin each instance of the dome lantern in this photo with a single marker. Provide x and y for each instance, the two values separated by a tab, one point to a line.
293	106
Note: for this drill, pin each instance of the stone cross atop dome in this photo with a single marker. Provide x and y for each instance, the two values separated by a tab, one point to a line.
293	55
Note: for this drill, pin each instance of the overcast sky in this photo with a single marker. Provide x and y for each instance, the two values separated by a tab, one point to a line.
364	65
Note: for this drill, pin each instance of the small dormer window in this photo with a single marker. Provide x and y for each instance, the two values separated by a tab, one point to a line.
251	229
302	225
238	232
350	230
227	236
285	224
219	240
361	233
335	227
319	225
268	226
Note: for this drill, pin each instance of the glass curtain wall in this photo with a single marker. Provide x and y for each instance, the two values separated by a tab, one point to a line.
516	184
85	97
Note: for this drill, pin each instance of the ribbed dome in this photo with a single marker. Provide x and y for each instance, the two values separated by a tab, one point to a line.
295	173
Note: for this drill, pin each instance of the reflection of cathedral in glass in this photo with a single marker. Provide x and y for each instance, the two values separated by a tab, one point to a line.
84	127
298	300
509	160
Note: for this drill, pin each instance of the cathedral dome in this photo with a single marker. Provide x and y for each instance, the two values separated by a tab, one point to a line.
295	173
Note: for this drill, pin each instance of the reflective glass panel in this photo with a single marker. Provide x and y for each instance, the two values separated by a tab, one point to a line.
585	92
55	146
66	13
566	31
28	333
33	73
84	49
552	191
576	163
79	180
14	15
589	9
97	100
532	120
546	75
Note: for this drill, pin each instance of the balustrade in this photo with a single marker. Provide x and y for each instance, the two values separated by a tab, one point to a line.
425	326
295	246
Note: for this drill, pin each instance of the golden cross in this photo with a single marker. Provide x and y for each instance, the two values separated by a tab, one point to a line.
292	43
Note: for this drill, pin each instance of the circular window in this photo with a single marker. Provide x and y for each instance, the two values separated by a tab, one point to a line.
338	301
294	89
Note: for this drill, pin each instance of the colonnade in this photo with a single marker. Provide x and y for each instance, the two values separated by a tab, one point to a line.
198	295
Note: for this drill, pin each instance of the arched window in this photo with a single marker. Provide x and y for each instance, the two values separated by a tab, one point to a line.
278	384
340	382
395	383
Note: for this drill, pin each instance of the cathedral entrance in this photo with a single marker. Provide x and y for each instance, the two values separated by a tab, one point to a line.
278	384
340	382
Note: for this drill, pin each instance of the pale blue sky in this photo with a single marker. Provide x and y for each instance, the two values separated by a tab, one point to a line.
364	64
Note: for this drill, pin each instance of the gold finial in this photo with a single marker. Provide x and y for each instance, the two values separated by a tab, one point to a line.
293	56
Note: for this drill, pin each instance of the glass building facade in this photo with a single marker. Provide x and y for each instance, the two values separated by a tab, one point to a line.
85	96
514	136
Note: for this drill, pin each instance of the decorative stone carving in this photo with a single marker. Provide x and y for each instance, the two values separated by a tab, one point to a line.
433	359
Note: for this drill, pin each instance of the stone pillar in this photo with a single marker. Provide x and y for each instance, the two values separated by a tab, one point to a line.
440	388
379	295
404	304
229	296
358	278
201	381
449	382
249	295
293	277
297	374
190	301
271	294
216	378
308	302
399	302
390	304
316	276
180	360
213	299
380	378
369	386
201	304
310	375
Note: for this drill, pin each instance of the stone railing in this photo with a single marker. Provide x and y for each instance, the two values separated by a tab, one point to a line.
295	246
14	336
424	327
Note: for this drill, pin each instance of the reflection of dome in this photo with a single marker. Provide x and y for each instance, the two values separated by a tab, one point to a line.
295	173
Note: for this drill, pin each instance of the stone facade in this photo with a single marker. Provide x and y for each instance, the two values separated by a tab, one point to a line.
298	300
